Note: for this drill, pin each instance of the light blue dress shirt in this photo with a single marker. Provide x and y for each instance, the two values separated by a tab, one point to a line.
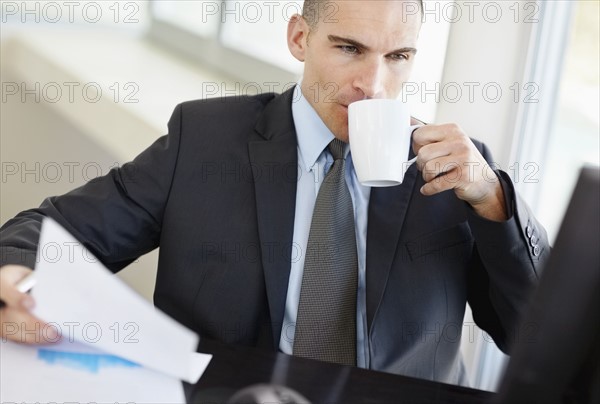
314	161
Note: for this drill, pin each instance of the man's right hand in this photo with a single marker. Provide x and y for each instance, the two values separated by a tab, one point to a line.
16	321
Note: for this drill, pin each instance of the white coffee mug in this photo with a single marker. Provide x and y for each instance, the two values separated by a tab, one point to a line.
380	140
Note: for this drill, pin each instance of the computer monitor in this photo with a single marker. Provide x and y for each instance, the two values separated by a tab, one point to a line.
557	359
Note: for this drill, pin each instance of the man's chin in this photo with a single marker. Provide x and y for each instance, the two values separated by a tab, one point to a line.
343	136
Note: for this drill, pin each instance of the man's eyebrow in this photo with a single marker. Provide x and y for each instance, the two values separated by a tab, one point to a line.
353	42
339	39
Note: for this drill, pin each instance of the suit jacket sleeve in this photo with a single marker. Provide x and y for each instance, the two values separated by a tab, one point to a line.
117	217
507	263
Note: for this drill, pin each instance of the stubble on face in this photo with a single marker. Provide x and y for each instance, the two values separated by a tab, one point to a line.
334	69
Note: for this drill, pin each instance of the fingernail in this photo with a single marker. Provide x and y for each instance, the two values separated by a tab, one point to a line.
51	334
28	302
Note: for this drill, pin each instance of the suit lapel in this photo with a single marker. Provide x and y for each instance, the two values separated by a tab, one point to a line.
387	210
274	162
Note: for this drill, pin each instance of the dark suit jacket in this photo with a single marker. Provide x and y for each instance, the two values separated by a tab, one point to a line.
218	193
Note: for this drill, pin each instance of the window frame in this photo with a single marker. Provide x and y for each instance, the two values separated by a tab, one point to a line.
217	55
544	66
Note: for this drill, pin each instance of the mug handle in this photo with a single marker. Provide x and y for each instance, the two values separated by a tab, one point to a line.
412	129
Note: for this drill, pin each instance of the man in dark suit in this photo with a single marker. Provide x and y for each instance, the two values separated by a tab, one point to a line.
228	196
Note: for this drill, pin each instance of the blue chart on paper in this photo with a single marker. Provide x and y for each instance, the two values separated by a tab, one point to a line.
83	361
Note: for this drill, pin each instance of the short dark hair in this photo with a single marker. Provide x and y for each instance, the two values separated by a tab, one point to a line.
312	9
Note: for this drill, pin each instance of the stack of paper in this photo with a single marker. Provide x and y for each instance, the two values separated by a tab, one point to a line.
115	346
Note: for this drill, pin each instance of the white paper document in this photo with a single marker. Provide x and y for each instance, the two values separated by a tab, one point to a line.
61	374
115	347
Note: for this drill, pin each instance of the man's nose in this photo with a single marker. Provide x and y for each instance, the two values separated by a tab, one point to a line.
370	79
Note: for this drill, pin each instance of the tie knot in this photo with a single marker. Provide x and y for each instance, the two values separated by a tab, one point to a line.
336	148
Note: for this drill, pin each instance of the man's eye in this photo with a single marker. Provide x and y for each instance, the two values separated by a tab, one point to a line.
399	56
350	49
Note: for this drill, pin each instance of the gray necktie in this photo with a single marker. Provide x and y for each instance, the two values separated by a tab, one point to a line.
326	322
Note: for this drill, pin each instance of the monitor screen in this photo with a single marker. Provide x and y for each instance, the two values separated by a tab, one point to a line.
557	357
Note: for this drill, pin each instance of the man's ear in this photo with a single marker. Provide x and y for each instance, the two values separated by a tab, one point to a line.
297	35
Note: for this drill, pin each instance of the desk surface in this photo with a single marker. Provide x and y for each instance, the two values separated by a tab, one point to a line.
233	368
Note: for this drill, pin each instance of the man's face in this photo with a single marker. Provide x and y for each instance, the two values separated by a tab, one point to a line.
359	50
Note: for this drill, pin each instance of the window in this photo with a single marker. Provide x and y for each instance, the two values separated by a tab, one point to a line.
258	29
196	17
574	137
243	40
561	132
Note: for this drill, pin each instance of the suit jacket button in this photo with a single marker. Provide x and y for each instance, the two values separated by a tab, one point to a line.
533	240
529	230
536	251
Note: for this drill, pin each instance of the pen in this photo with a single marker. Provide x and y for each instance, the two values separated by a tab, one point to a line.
25	284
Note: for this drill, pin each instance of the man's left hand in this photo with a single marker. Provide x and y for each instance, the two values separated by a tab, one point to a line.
449	160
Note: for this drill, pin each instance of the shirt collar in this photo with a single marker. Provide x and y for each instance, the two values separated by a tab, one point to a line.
313	136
